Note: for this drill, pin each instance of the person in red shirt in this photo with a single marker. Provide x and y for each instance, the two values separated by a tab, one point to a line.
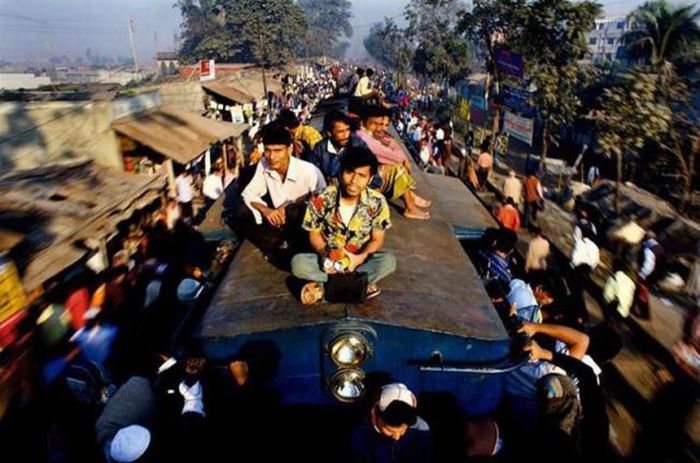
508	216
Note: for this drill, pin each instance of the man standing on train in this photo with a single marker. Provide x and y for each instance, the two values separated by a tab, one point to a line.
346	225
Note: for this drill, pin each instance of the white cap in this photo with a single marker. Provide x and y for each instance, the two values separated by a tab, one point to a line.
396	391
129	444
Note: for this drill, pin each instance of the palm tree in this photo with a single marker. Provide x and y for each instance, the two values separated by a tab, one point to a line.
664	33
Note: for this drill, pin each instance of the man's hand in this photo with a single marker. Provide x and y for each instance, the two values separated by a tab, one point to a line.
355	261
275	217
537	352
528	328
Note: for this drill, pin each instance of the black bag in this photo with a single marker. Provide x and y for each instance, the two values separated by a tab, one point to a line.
346	287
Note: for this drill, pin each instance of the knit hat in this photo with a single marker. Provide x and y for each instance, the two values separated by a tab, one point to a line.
129	444
396	391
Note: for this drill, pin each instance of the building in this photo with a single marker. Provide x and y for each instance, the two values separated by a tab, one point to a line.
168	63
17	81
605	40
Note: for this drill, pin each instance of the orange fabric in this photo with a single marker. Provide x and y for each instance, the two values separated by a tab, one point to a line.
485	160
509	217
531	194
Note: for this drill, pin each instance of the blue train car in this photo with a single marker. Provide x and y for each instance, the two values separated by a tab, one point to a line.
432	328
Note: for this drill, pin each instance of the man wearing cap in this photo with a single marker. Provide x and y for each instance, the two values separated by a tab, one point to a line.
122	429
394	433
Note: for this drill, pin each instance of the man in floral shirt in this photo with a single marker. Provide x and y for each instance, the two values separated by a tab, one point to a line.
346	226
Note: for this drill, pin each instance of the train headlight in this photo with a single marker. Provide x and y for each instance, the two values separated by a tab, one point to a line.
349	350
347	385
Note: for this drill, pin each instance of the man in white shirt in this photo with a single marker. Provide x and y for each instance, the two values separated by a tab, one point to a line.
183	185
275	198
213	186
585	257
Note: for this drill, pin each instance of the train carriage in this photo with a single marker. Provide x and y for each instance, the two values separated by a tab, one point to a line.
432	328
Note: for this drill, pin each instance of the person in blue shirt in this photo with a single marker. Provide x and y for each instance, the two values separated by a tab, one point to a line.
338	136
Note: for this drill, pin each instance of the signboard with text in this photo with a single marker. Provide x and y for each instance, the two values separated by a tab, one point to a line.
510	63
519	127
518	100
207	70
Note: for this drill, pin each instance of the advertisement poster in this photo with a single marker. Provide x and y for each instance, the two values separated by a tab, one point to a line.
207	70
510	63
519	127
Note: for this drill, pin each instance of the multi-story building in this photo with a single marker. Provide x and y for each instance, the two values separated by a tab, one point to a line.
605	40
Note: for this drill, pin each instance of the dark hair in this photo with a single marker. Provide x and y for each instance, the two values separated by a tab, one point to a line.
331	118
398	413
509	200
360	72
275	134
357	156
485	144
288	119
505	240
374	111
496	289
369	72
605	343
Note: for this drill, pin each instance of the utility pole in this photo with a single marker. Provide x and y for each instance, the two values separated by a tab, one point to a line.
130	26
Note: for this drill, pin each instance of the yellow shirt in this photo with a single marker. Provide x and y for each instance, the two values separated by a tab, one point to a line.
308	135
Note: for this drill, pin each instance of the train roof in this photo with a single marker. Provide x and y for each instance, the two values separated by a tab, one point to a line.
435	286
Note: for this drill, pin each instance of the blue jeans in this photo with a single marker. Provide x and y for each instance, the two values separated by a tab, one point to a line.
306	266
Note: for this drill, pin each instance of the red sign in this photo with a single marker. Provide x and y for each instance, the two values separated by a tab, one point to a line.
207	70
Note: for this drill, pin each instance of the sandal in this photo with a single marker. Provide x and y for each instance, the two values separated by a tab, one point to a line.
373	291
311	293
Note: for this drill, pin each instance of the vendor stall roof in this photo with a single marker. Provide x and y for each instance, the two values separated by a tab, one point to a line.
63	210
229	91
179	135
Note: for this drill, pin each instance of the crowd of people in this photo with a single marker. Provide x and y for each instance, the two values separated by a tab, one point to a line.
319	205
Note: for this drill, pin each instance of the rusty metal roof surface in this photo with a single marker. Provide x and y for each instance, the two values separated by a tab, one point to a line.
57	206
175	133
435	286
230	91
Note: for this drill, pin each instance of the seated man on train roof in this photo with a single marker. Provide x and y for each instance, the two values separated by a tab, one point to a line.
305	137
394	169
274	200
394	431
346	225
326	154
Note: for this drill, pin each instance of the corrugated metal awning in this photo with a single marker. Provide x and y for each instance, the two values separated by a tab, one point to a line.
229	91
177	134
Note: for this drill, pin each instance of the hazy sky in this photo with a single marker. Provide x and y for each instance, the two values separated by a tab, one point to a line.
38	29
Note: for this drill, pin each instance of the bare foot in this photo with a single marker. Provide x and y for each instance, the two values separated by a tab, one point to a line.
416	214
421	202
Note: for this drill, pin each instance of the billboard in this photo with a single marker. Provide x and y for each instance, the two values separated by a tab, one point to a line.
518	100
510	63
519	127
207	70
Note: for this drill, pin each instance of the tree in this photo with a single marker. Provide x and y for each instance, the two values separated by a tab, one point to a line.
270	31
266	32
206	31
328	22
441	53
553	43
488	25
662	32
630	116
388	44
